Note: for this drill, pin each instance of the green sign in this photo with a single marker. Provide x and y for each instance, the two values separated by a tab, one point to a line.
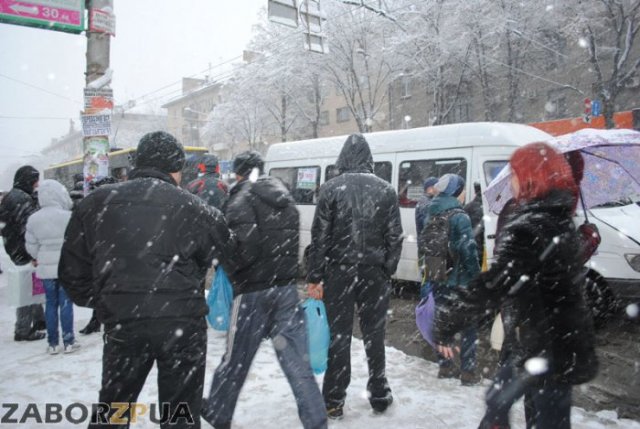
59	15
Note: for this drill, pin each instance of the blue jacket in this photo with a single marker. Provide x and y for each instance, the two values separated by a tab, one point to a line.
461	241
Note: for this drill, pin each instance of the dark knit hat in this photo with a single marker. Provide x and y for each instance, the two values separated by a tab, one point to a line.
25	177
450	184
160	150
430	181
247	161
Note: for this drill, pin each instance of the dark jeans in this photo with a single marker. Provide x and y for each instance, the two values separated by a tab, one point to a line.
26	317
368	289
58	303
177	346
547	404
469	336
272	313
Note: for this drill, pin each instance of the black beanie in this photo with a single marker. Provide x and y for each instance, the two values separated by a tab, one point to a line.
160	150
25	177
247	161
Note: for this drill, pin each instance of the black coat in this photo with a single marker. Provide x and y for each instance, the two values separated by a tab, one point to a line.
140	250
537	277
265	221
357	219
15	209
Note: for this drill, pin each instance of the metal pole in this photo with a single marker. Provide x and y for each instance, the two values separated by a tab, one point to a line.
98	46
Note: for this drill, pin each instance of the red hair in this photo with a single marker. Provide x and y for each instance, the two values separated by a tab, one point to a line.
541	169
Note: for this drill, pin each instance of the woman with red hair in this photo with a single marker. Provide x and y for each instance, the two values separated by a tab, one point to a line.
536	276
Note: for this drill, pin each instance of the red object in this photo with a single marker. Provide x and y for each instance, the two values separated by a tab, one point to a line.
540	169
566	126
587	106
38	285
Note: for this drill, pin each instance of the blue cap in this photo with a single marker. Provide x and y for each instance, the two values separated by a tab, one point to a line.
430	182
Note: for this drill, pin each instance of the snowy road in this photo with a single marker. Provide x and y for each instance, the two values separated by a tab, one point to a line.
29	375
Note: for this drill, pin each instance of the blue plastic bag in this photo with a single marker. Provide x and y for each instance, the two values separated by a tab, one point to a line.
317	334
425	315
219	301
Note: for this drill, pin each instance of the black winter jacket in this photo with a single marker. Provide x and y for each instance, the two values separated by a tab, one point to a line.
140	250
537	277
15	209
265	221
357	219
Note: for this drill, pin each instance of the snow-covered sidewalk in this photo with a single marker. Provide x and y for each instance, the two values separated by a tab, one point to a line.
29	375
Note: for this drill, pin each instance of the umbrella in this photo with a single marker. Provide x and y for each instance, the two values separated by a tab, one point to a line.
611	167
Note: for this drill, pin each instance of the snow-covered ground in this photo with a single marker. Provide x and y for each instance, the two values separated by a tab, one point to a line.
29	375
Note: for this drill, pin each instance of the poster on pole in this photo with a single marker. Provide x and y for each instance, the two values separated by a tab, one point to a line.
96	158
97	124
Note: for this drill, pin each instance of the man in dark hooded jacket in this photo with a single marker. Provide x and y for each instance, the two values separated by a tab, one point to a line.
355	248
263	270
15	209
137	252
208	185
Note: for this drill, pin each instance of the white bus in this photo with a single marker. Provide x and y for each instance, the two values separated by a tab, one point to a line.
405	158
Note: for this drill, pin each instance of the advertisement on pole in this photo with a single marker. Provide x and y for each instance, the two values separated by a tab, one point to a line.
96	158
97	124
102	21
96	100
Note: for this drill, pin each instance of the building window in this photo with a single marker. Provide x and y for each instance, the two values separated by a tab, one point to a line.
324	118
405	87
342	114
556	106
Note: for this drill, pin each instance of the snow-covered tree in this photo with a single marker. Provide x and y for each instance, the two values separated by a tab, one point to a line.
608	32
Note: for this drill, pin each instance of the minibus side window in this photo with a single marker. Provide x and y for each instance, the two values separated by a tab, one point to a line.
302	182
412	175
492	169
381	169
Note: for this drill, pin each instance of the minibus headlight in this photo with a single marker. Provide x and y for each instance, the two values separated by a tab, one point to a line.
634	261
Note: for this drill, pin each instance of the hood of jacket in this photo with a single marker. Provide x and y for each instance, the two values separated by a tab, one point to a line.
556	202
52	193
271	191
355	156
442	202
25	178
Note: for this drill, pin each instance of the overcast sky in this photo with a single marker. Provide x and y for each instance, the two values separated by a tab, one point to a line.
157	43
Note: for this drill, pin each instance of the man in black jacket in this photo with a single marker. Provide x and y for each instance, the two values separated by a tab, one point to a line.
263	271
137	252
355	248
15	209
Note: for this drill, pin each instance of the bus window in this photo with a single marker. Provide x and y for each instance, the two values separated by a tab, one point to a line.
381	169
413	174
303	182
492	169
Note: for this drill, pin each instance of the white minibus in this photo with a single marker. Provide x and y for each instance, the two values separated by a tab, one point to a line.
405	158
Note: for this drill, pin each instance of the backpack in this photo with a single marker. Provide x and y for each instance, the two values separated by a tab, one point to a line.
434	251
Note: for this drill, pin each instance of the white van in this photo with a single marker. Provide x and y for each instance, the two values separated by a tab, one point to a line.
405	158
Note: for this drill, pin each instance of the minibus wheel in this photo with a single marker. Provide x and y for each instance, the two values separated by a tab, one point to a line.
600	299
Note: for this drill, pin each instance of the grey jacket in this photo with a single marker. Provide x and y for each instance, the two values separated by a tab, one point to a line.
45	228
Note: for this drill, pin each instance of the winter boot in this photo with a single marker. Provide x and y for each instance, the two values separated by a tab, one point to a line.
40	325
380	404
31	336
470	378
335	413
